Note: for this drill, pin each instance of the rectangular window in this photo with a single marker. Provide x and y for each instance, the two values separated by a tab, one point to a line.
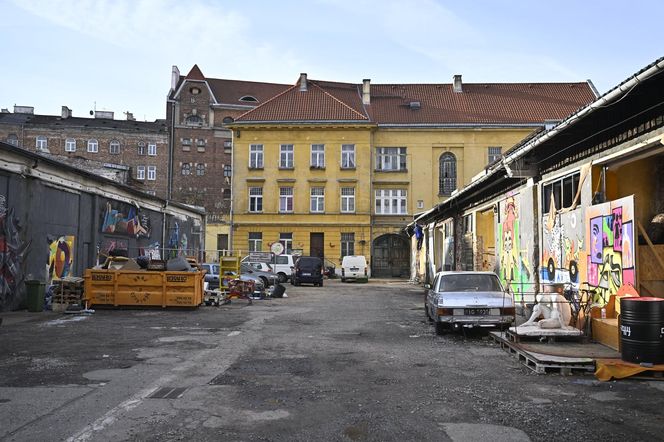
391	158
348	199
228	145
152	173
317	199
286	156
140	173
70	145
256	156
255	241
285	199
495	152
186	144
391	202
141	148
255	199
286	240
152	149
318	156
228	170
347	244
563	190
348	156
41	143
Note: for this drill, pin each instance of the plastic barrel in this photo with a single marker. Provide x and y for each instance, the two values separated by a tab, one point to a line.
642	330
35	294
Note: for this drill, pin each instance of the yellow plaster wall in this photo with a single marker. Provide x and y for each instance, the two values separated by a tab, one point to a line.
211	232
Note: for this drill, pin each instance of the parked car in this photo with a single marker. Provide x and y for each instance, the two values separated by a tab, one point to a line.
468	299
261	266
308	269
282	266
354	267
267	278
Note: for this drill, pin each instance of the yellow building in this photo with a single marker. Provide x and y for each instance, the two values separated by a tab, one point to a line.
330	169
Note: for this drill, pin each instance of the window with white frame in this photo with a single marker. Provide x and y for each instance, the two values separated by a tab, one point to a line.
140	172
93	145
186	169
317	199
286	156
255	199
152	149
70	145
495	152
200	169
391	202
152	173
256	156
391	158
285	199
41	143
348	156
347	244
114	147
255	241
348	199
318	156
286	240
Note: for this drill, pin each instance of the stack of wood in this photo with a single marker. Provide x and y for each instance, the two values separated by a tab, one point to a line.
69	291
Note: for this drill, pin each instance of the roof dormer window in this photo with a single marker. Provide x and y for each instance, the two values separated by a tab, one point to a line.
249	98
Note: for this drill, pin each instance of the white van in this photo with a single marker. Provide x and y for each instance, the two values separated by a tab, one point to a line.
282	266
354	267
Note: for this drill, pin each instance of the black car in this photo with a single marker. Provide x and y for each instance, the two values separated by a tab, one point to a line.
308	269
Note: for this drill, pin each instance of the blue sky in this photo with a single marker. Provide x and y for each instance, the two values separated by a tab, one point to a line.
117	54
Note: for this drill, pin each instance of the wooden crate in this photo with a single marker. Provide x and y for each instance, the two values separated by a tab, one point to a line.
605	331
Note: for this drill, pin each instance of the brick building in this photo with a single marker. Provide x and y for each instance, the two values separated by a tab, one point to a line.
128	151
198	111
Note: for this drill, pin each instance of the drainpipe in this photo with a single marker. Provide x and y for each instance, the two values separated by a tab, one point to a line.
171	148
230	214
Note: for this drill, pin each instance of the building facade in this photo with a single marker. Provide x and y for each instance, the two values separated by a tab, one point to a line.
411	146
201	147
127	151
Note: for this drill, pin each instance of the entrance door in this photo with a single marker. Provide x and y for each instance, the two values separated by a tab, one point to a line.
222	244
317	244
390	257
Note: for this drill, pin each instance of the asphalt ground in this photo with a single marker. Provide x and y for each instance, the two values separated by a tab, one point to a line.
340	362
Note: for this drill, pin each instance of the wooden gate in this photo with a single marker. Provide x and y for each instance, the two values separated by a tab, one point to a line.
390	257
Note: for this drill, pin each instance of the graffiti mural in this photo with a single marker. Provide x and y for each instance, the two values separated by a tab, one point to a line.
562	247
177	243
611	247
12	254
125	219
513	265
61	258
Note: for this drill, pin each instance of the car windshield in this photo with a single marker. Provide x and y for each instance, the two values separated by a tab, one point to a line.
469	283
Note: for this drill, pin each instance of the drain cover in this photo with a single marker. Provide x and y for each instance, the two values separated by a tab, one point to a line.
167	393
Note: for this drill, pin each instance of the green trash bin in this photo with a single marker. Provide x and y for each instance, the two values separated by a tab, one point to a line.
35	290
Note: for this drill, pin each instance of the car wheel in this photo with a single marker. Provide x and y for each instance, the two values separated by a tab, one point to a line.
441	329
426	311
265	281
282	277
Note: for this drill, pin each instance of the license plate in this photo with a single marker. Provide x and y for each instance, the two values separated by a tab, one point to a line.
476	311
354	269
306	274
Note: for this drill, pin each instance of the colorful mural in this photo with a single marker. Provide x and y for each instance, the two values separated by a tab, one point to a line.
611	247
177	243
61	258
125	219
562	247
12	254
513	264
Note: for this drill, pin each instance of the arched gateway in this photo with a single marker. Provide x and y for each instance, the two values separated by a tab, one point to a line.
390	257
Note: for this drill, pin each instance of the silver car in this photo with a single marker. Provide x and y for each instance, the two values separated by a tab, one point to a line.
468	299
267	278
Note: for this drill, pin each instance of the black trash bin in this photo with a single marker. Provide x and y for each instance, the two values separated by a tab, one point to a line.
35	289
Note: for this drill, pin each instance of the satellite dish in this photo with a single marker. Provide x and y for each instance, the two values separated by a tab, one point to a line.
92	113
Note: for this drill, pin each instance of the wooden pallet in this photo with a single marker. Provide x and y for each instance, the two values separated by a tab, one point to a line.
541	363
543	335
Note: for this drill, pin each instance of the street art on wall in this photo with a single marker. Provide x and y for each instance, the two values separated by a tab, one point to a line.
125	219
611	247
177	243
12	255
562	247
61	258
513	265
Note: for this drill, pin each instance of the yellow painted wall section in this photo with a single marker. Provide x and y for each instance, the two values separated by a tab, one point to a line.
638	178
486	241
425	146
211	232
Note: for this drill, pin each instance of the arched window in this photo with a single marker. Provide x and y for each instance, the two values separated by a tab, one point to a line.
114	147
186	168
194	120
93	145
249	98
70	145
447	179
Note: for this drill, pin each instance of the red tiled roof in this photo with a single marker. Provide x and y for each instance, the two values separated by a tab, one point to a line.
195	74
320	102
230	91
491	103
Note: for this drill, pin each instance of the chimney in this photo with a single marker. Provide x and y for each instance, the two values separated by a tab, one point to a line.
303	82
366	91
130	116
458	85
65	113
24	110
4	111
175	77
